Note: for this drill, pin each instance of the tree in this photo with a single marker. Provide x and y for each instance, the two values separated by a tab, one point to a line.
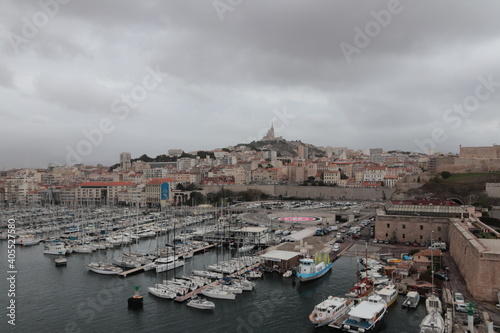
445	174
311	178
343	176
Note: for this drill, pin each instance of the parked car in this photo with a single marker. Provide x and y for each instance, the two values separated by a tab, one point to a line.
476	321
459	298
392	241
424	244
355	236
442	276
336	247
375	241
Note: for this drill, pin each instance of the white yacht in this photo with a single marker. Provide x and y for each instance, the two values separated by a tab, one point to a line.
366	315
217	292
166	264
433	303
162	292
329	310
102	268
432	323
58	248
201	303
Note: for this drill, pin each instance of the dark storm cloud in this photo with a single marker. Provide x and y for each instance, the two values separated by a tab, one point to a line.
225	71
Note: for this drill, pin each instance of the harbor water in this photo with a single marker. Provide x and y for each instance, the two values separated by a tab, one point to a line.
73	299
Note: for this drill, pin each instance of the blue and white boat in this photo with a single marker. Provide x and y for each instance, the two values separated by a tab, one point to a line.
311	269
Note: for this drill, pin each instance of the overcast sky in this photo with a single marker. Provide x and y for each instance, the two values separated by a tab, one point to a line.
82	81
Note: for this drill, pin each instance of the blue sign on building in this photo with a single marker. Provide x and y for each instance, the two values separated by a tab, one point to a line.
165	191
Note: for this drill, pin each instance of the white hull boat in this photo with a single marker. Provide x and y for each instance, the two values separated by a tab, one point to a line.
366	315
329	310
432	323
55	248
201	303
216	292
105	269
162	293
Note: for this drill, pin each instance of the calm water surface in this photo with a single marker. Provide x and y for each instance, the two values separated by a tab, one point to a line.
73	299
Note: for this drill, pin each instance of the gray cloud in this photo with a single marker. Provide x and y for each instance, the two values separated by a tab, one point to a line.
222	79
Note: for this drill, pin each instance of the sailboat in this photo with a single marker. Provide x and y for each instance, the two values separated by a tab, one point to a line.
433	322
312	269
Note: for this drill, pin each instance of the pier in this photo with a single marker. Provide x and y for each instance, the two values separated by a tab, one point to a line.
141	268
199	290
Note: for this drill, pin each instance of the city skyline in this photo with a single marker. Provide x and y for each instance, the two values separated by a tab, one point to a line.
99	79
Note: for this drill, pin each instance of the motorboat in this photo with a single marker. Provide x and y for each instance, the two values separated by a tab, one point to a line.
366	315
217	292
312	269
201	303
412	299
102	268
433	303
287	274
389	294
329	310
58	248
432	323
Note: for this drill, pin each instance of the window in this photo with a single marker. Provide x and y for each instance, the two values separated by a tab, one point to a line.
439	228
404	226
388	225
404	236
421	227
386	235
421	237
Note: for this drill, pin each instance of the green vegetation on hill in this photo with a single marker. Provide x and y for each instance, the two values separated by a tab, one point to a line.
468	187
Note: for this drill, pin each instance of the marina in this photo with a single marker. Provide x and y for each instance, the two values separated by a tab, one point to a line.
212	270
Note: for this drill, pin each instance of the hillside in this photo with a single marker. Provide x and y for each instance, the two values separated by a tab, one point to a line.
469	188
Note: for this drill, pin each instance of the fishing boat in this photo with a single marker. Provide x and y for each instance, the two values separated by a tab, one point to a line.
102	268
329	310
312	269
411	300
201	303
366	315
432	323
389	294
362	289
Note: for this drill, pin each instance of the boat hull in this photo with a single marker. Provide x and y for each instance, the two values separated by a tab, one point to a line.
314	276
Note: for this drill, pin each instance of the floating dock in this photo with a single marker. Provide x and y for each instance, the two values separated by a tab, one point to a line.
141	268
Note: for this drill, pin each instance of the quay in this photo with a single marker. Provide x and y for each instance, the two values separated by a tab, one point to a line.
140	269
199	290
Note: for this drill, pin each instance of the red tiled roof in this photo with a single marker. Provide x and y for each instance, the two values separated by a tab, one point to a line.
157	181
89	184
